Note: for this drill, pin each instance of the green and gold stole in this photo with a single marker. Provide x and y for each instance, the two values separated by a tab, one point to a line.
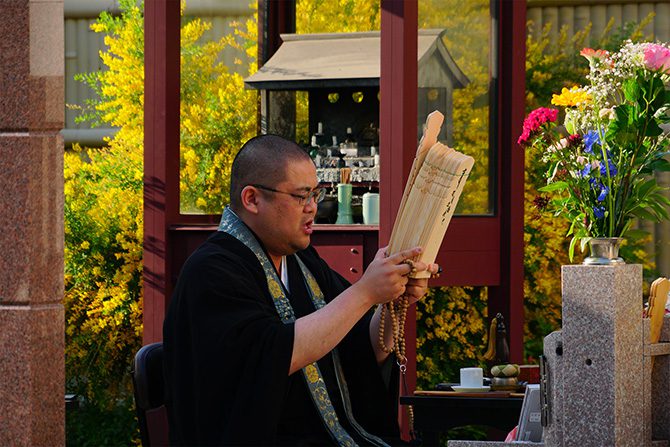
234	226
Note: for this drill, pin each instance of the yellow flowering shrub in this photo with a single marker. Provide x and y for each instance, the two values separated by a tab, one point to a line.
217	115
104	210
451	323
336	16
104	226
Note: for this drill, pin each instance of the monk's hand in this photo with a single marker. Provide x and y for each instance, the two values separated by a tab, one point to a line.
386	276
416	288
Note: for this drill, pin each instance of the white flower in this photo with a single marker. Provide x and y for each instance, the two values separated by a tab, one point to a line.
607	113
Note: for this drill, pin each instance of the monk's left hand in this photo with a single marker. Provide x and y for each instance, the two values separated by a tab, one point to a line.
416	287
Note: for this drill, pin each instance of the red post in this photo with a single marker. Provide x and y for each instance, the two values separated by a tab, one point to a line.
274	18
507	298
161	155
398	134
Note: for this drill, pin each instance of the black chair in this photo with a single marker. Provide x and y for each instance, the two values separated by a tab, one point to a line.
148	383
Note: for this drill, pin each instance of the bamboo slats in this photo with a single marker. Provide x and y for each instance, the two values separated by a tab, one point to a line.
431	194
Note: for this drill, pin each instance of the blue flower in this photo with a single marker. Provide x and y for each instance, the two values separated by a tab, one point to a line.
599	212
603	193
590	139
585	172
613	169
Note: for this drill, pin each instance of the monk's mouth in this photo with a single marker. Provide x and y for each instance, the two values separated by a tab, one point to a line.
307	227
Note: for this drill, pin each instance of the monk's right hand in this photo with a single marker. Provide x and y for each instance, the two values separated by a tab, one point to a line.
386	277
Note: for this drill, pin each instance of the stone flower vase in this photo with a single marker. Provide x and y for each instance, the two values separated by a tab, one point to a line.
604	251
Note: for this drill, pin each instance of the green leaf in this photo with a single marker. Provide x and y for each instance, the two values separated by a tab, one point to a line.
571	252
572	227
646	187
622	128
661	212
637	234
653	129
662	199
643	213
657	94
556	186
660	164
631	90
583	242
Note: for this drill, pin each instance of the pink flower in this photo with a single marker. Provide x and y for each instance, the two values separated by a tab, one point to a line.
593	55
657	57
574	140
536	119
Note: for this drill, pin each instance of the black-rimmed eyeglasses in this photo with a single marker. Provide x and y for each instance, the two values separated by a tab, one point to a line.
317	194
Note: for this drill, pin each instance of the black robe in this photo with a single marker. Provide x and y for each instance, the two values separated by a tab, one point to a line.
227	356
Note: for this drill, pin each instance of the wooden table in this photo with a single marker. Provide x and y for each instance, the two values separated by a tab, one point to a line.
438	411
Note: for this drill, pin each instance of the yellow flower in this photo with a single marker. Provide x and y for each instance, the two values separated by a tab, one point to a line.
571	98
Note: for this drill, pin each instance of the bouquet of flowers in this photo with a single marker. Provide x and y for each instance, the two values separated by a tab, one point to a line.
600	164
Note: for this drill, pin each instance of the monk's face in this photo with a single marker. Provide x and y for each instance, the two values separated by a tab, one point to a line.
287	224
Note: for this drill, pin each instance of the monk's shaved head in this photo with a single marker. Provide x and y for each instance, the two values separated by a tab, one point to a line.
262	160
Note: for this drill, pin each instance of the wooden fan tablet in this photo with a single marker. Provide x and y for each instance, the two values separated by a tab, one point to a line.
432	192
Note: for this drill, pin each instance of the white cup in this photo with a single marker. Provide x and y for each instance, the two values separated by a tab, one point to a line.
472	377
371	208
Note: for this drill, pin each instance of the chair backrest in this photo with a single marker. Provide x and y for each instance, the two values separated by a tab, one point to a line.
148	383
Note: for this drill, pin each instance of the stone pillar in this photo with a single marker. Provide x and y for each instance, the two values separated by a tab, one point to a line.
32	372
603	356
553	353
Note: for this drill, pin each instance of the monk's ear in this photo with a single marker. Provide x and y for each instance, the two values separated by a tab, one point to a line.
249	196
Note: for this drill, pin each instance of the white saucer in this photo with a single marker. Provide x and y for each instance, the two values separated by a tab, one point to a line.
465	389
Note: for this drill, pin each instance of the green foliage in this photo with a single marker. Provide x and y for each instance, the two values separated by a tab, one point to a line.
88	425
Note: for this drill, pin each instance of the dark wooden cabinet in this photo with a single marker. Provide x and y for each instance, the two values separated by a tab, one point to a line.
347	249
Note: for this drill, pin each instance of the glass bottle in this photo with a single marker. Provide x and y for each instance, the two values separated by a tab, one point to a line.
349	140
319	136
314	148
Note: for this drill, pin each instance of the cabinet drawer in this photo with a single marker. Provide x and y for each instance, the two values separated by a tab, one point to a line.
342	252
